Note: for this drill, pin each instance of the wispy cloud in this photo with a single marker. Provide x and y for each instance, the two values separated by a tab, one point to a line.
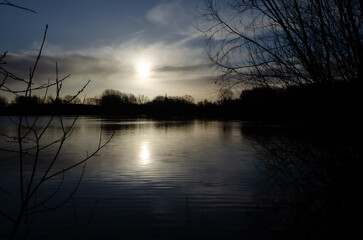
196	68
177	66
175	20
169	14
115	67
75	63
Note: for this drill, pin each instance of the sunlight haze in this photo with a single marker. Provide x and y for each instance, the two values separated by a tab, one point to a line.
103	43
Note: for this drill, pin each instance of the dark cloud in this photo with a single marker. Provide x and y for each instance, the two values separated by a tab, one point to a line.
203	80
71	63
80	67
183	69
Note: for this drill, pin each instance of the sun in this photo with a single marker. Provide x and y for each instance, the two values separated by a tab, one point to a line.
143	69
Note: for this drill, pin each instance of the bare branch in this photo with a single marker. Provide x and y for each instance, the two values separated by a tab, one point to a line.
284	42
7	3
29	145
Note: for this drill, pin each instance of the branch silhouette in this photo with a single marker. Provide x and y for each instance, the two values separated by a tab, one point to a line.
30	147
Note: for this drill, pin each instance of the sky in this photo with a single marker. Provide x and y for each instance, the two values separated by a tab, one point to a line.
149	47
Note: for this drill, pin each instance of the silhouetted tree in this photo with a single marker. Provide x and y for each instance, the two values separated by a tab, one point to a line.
225	94
204	103
159	99
3	102
130	98
111	97
188	99
93	101
29	146
142	99
69	99
284	42
27	100
171	106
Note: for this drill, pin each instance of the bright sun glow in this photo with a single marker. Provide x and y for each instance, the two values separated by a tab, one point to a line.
143	69
144	154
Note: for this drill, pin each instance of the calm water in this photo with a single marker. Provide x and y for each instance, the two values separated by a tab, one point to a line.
186	179
155	179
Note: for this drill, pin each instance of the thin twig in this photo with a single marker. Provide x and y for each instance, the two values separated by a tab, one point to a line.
7	3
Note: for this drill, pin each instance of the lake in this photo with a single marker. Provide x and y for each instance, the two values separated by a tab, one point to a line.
175	179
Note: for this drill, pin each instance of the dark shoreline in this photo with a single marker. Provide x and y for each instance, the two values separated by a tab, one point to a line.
320	105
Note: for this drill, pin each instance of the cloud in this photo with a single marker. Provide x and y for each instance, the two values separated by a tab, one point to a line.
168	14
173	67
173	19
80	65
184	68
67	62
170	45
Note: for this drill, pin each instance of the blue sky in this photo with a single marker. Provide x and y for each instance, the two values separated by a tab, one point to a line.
109	42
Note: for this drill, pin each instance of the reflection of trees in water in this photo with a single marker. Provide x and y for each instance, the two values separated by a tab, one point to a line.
180	124
315	185
111	125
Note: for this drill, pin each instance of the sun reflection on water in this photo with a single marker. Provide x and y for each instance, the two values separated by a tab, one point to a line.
144	154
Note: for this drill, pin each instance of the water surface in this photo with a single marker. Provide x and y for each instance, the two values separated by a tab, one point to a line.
187	179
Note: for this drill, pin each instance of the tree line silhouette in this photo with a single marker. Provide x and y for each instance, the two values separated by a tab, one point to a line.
111	102
309	103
